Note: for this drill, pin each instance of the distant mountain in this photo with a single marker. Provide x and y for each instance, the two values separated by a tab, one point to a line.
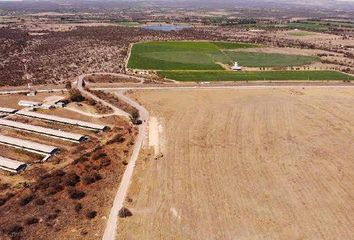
108	4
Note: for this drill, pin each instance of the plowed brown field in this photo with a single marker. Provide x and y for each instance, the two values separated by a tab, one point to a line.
247	164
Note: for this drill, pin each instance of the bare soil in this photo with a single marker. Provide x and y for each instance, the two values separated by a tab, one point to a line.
246	164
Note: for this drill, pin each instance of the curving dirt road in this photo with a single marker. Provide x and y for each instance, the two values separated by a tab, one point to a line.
111	227
116	110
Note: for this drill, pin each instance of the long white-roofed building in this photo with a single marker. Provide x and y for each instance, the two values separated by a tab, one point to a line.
11	165
7	110
24	103
51	118
28	145
73	137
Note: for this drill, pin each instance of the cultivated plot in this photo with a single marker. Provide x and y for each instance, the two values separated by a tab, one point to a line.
247	164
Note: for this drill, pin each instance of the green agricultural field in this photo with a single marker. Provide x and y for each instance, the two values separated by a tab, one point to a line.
308	26
179	55
202	76
231	45
254	59
202	61
126	23
301	33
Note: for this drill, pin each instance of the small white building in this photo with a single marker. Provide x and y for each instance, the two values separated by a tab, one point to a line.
24	103
236	67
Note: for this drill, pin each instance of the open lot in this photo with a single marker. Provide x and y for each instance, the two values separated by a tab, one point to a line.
246	164
200	76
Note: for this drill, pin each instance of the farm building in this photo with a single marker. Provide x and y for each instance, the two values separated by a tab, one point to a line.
24	103
7	110
51	118
236	67
47	106
73	137
28	145
12	165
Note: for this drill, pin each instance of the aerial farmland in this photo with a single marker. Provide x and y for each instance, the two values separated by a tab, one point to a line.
212	61
176	120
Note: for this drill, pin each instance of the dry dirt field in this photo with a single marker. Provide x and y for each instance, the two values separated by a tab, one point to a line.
246	164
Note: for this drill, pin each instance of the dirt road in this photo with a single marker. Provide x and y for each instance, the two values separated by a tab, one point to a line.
116	110
247	164
111	227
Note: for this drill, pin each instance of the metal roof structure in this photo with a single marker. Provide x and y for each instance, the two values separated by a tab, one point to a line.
78	123
12	165
7	110
28	145
29	103
43	131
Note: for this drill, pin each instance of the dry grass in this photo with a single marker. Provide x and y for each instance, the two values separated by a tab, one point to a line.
247	164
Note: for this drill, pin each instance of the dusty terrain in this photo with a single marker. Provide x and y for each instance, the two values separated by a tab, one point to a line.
246	164
70	195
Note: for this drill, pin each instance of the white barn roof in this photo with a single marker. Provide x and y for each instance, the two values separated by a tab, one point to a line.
11	165
69	121
28	145
7	110
44	131
28	103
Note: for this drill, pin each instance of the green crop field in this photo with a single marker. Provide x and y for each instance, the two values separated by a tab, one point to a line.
230	45
301	33
201	76
202	61
177	55
254	59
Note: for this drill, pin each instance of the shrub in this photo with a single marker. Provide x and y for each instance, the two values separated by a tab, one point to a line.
71	179
78	207
91	178
52	216
55	189
3	200
39	202
91	214
14	230
75	96
59	173
99	154
31	221
76	194
124	212
24	200
81	159
4	186
105	162
117	139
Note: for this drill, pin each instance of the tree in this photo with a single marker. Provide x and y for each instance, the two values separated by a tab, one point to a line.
76	96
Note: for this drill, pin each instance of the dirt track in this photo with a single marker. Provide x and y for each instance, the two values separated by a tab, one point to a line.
247	164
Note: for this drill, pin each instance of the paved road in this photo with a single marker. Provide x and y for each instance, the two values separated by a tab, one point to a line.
111	227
